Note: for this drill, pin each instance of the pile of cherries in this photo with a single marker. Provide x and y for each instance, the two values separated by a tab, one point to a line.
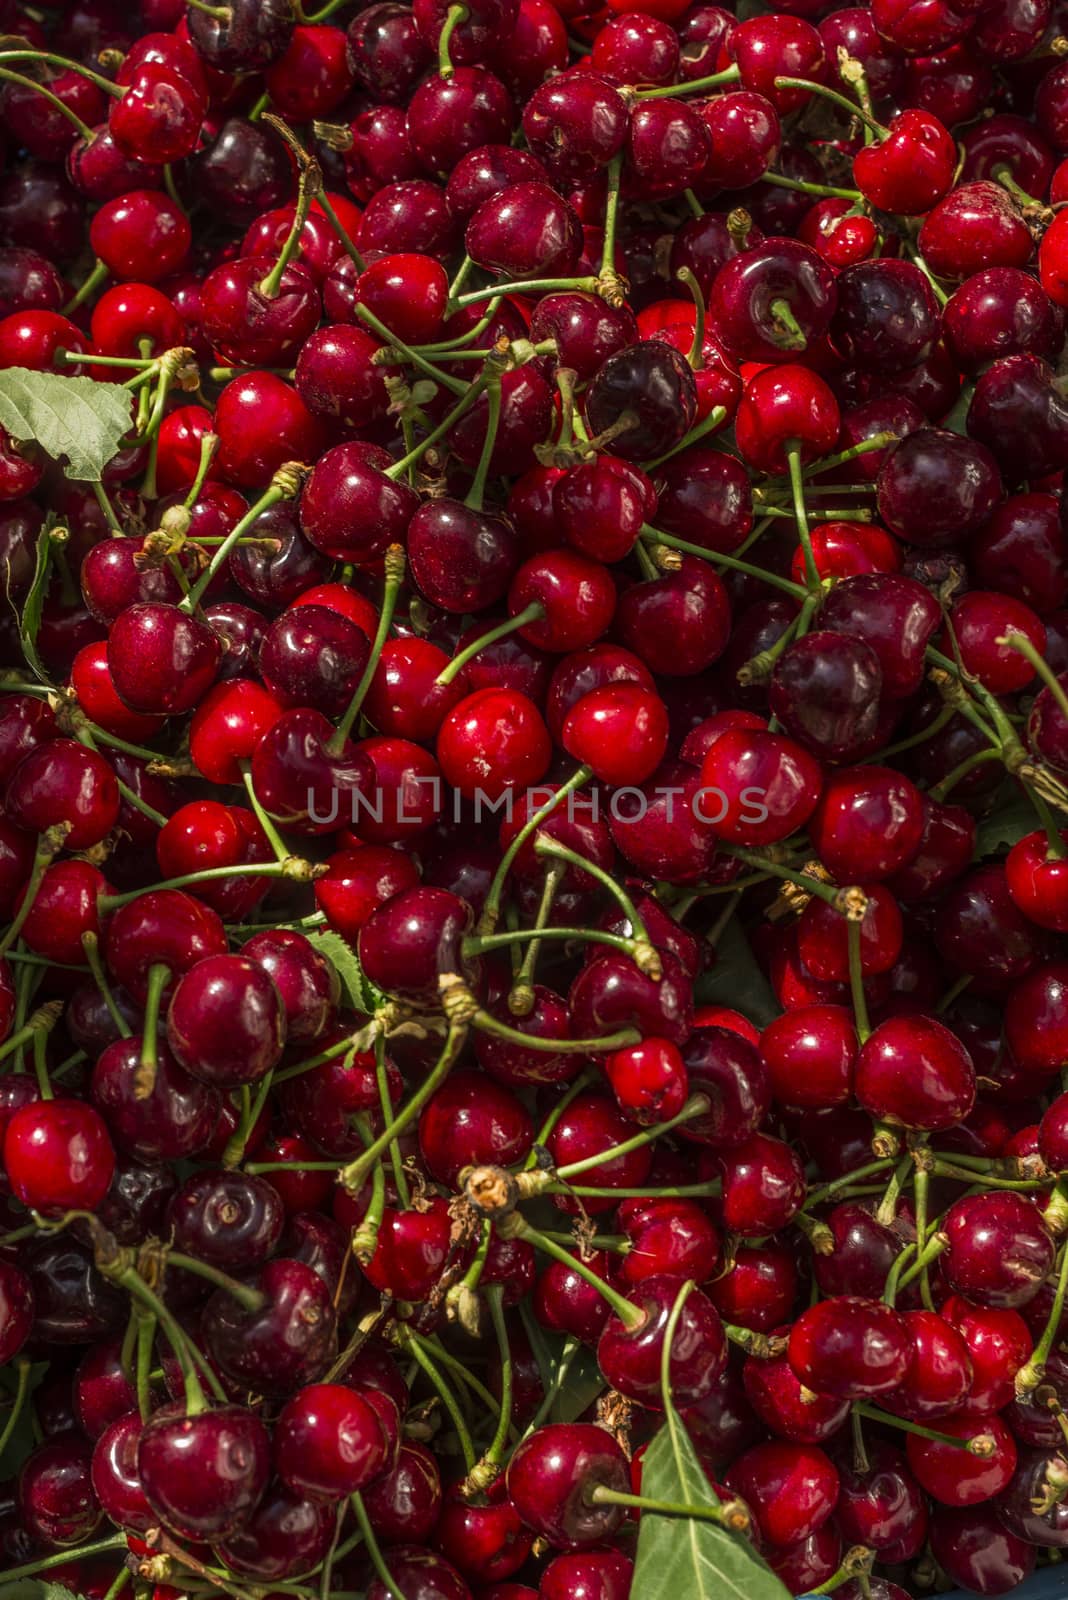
534	798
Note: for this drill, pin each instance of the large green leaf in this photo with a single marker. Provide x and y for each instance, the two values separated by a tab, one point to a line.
685	1558
359	990
736	980
34	1589
75	420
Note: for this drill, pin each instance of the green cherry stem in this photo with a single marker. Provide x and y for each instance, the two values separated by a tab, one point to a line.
982	1445
22	1390
488	1468
1032	1372
294	868
251	1111
493	373
453	18
826	189
417	1349
466	401
515	1226
396	1161
531	613
521	996
718	558
715	419
856	982
354	1175
277	843
101	1547
285	485
602	1496
374	1551
395	567
797	486
159	975
546	845
836	99
715	80
1023	646
248	1299
365	1237
327	206
492	909
49	844
696	1106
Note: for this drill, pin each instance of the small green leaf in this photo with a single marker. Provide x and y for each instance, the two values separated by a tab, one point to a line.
579	1389
1012	817
33	607
685	1558
360	991
75	420
735	979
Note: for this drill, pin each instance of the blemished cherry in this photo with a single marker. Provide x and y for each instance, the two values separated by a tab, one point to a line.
551	1477
999	1253
791	1489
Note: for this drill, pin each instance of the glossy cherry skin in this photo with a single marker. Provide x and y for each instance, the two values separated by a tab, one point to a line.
747	288
55	1492
115	1477
825	691
161	926
939	1373
575	127
16	1309
790	1489
591	1126
232	1220
976	1549
881	1506
226	1022
291	1339
161	660
307	982
954	480
58	1156
999	1253
969	1479
850	1347
551	1475
763	1186
781	1402
462	560
329	1442
746	774
203	1475
63	782
410	941
629	1358
411	1252
612	993
470	1122
810	1053
405	1501
900	617
678	624
654	383
868	823
175	1120
915	1073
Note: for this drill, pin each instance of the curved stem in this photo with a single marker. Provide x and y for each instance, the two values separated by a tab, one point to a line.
248	1298
377	1559
1031	1373
466	401
396	1161
717	557
53	99
18	1401
546	845
270	497
531	613
836	99
251	1111
630	1315
395	569
474	497
491	910
673	91
416	1349
797	486
696	1106
455	15
64	62
355	1174
49	844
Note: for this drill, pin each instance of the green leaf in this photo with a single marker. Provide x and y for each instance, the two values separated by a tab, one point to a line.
1012	817
30	618
736	980
75	420
360	991
684	1558
579	1389
34	1589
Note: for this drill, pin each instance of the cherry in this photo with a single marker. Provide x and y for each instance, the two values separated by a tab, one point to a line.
957	1478
679	624
411	1251
935	468
551	1477
913	1072
306	980
469	1122
630	1358
230	1220
350	510
226	1022
760	297
791	1489
825	689
880	1505
262	423
850	1347
763	1186
289	1340
115	1477
810	1053
900	617
976	1549
582	1574
749	773
909	170
999	1253
786	1407
55	1493
58	1156
203	1475
16	1309
648	390
328	1442
575	125
592	1125
491	742
176	1118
